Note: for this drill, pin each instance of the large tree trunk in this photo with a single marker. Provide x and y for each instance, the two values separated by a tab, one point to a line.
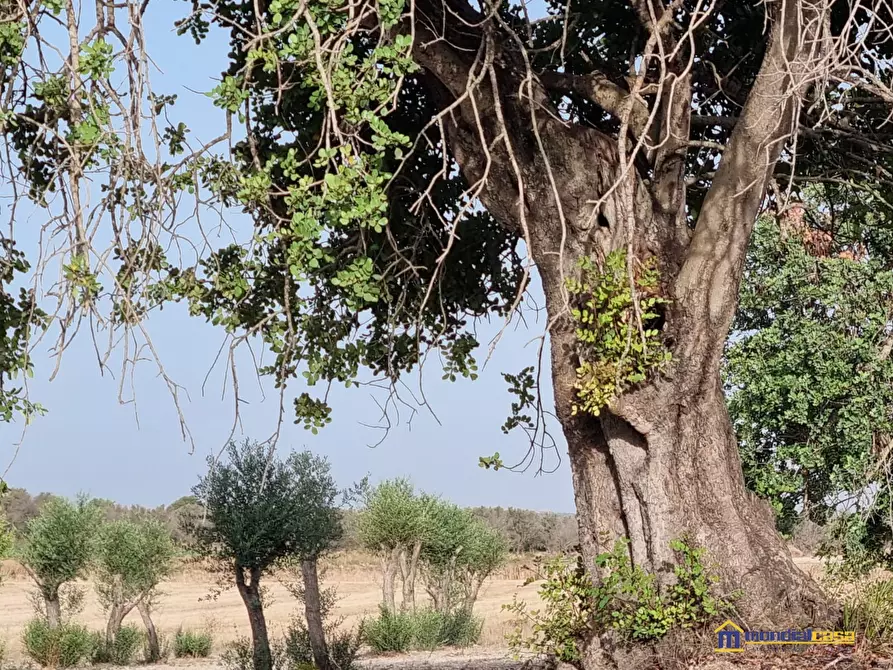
250	592
151	631
313	613
660	462
674	471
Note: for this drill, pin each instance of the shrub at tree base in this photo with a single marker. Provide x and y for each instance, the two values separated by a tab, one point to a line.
626	600
192	644
343	646
164	649
122	649
390	631
433	629
423	630
61	647
239	655
869	611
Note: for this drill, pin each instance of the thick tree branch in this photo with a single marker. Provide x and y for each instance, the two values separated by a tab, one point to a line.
597	88
708	283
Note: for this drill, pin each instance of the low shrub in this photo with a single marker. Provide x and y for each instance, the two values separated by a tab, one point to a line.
239	655
164	649
63	647
389	631
427	630
626	601
461	629
119	651
424	630
432	629
343	645
869	611
192	644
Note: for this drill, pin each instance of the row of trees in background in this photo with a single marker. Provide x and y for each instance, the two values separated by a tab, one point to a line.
255	513
128	559
523	530
260	513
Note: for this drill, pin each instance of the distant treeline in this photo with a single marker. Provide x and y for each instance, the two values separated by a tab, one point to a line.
524	530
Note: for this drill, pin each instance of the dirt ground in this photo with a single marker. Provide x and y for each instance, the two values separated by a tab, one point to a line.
185	603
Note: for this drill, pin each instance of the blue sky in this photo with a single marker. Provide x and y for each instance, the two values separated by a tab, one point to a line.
89	442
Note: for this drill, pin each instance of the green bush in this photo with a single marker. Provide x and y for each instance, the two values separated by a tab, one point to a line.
164	649
119	651
427	630
424	630
239	655
62	647
627	601
344	646
461	629
432	629
192	644
869	611
389	631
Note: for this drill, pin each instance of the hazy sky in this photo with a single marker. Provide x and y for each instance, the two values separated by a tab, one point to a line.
89	442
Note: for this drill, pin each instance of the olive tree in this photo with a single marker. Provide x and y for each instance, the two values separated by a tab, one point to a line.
58	546
263	511
460	552
394	524
132	558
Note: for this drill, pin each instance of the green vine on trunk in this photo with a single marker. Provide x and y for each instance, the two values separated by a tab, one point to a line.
616	348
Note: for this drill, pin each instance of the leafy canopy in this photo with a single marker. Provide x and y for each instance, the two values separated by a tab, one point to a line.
262	509
809	373
59	543
132	558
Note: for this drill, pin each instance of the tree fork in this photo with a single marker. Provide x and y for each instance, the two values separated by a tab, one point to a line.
661	462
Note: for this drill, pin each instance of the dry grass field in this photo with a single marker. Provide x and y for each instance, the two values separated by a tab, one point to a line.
185	604
185	601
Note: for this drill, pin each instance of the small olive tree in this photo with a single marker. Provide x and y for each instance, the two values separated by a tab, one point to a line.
461	551
263	512
394	523
58	545
132	558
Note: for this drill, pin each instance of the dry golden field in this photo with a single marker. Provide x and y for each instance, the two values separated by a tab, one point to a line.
185	601
185	604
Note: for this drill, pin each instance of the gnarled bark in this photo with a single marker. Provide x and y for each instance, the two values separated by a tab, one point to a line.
54	609
390	564
660	462
409	565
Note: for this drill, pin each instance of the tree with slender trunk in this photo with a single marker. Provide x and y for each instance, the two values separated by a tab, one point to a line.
145	607
313	613
132	558
262	512
394	523
412	166
58	547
